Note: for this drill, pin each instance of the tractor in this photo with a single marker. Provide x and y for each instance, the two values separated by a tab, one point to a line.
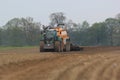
55	39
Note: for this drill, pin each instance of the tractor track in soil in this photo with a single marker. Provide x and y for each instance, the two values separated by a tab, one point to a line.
94	63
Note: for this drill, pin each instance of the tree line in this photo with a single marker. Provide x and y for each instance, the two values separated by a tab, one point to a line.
105	33
20	32
26	32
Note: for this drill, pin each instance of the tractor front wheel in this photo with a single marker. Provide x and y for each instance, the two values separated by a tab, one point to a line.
41	46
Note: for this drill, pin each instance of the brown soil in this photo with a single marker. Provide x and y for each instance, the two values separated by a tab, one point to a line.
93	63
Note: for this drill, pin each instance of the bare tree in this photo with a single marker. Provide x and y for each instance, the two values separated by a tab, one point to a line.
57	18
117	16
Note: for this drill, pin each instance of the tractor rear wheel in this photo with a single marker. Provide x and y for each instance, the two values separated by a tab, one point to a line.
67	46
57	46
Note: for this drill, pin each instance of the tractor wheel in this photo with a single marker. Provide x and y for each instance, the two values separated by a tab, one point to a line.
67	46
41	46
61	47
57	46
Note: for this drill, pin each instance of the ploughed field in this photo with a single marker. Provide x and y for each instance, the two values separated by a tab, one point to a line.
93	63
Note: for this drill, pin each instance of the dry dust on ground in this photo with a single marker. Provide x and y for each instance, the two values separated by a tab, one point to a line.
93	63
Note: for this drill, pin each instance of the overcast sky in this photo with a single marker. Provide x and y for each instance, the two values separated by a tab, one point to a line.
77	10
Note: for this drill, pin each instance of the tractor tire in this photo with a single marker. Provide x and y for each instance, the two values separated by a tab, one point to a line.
67	46
57	46
41	46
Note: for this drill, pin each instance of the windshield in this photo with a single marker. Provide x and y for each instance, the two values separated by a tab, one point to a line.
50	34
